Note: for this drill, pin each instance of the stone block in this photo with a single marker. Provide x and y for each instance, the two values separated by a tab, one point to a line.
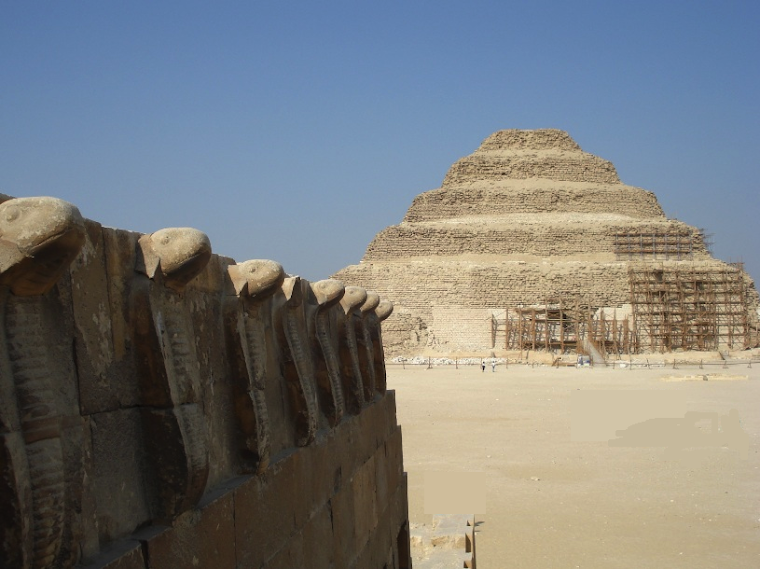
399	512
127	554
347	439
368	435
379	543
381	479
268	509
321	472
176	458
394	460
116	478
203	537
344	527
317	538
365	501
390	409
445	559
92	318
449	542
80	536
290	556
215	391
119	250
106	377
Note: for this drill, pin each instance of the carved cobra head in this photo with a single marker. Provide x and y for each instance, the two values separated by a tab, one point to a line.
180	253
258	278
384	309
328	291
369	305
291	288
39	237
353	298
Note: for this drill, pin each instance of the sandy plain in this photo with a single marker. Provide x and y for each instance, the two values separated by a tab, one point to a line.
557	496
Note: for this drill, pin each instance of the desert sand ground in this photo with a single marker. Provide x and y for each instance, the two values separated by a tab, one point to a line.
552	501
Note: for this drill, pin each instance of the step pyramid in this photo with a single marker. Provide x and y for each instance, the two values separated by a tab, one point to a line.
531	222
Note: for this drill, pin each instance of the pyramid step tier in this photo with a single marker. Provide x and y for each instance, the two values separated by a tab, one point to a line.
571	166
536	197
512	238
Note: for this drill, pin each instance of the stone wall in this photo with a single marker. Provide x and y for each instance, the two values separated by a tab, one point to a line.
165	407
454	307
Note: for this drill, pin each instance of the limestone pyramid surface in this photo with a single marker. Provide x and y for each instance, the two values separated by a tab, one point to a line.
530	219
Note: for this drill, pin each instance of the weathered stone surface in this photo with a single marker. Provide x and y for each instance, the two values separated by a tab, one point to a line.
15	500
346	317
372	319
39	237
448	542
345	544
291	556
161	406
317	538
127	554
526	219
256	278
295	359
320	298
93	324
170	383
179	254
198	538
117	473
247	345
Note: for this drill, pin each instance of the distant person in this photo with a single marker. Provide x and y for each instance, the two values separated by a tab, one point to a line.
483	366
493	366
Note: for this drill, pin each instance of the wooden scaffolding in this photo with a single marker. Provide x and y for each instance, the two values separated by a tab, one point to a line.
657	246
689	308
562	327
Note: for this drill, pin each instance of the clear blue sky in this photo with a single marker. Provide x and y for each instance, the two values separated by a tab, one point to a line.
297	130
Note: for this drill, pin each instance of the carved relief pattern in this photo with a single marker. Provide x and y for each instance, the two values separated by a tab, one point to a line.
303	386
173	419
39	237
282	336
257	345
366	357
332	363
40	424
345	317
247	350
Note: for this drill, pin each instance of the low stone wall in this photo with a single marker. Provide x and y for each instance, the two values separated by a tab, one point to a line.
339	502
448	543
165	407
